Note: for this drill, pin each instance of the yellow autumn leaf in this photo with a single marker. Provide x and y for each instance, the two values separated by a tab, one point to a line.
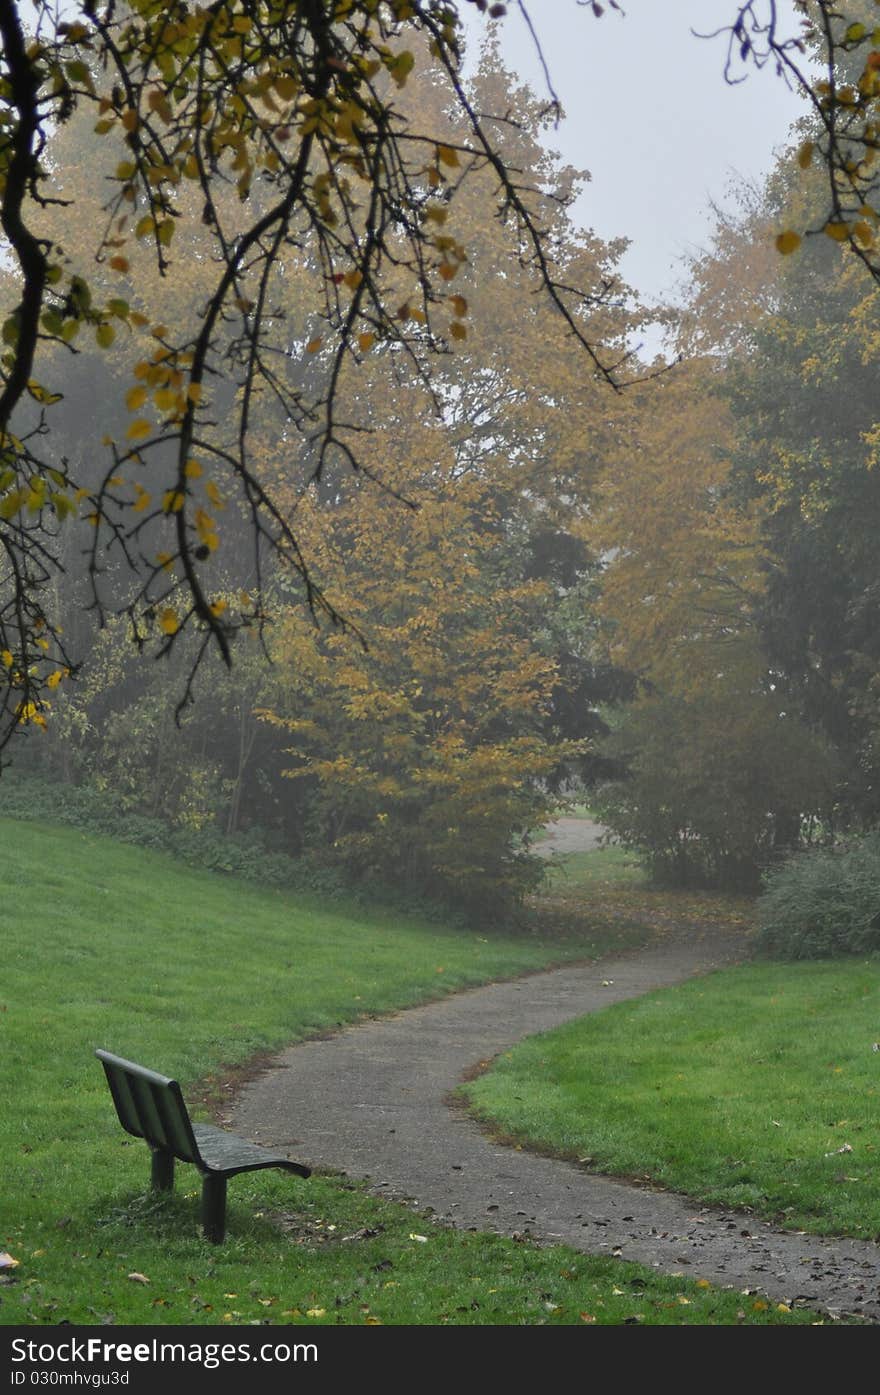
7	658
805	154
168	621
837	231
167	399
286	86
788	242
55	678
366	342
138	429
135	397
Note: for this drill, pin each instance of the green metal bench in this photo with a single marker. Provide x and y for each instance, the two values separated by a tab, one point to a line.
151	1107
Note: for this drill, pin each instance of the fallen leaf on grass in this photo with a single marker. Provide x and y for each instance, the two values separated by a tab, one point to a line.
845	1148
6	1261
316	1312
422	1239
137	1278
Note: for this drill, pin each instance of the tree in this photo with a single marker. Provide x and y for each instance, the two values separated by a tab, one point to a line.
424	758
804	406
715	771
275	127
801	385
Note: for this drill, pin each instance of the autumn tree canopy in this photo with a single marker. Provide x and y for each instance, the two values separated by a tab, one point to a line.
228	133
231	132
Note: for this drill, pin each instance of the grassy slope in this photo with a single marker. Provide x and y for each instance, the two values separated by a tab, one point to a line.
106	944
757	1087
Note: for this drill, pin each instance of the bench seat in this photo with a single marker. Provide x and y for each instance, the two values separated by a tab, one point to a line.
151	1106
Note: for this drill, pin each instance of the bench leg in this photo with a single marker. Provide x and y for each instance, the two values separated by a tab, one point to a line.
214	1207
162	1176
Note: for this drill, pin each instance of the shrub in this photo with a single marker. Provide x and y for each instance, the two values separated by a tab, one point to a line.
823	903
714	787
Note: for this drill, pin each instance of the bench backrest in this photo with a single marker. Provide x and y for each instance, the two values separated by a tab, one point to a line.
150	1106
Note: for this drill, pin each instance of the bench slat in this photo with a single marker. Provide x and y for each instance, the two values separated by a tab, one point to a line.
225	1152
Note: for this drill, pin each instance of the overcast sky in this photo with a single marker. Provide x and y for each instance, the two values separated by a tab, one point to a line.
649	115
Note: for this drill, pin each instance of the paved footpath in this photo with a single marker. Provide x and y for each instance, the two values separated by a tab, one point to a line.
372	1102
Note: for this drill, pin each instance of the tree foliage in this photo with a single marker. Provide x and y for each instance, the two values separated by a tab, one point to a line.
239	134
417	744
714	774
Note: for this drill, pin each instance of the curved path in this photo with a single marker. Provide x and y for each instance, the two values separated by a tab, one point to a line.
372	1102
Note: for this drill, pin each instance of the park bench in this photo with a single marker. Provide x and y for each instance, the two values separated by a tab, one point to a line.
151	1107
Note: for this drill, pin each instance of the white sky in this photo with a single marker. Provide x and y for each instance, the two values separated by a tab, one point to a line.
649	115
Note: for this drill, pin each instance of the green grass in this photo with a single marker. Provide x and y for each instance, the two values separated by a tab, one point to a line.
603	866
756	1087
104	944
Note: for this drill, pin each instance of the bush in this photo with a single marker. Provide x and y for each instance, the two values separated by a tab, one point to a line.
823	903
714	788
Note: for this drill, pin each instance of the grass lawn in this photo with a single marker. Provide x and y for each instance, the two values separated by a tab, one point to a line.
607	892
757	1087
105	944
